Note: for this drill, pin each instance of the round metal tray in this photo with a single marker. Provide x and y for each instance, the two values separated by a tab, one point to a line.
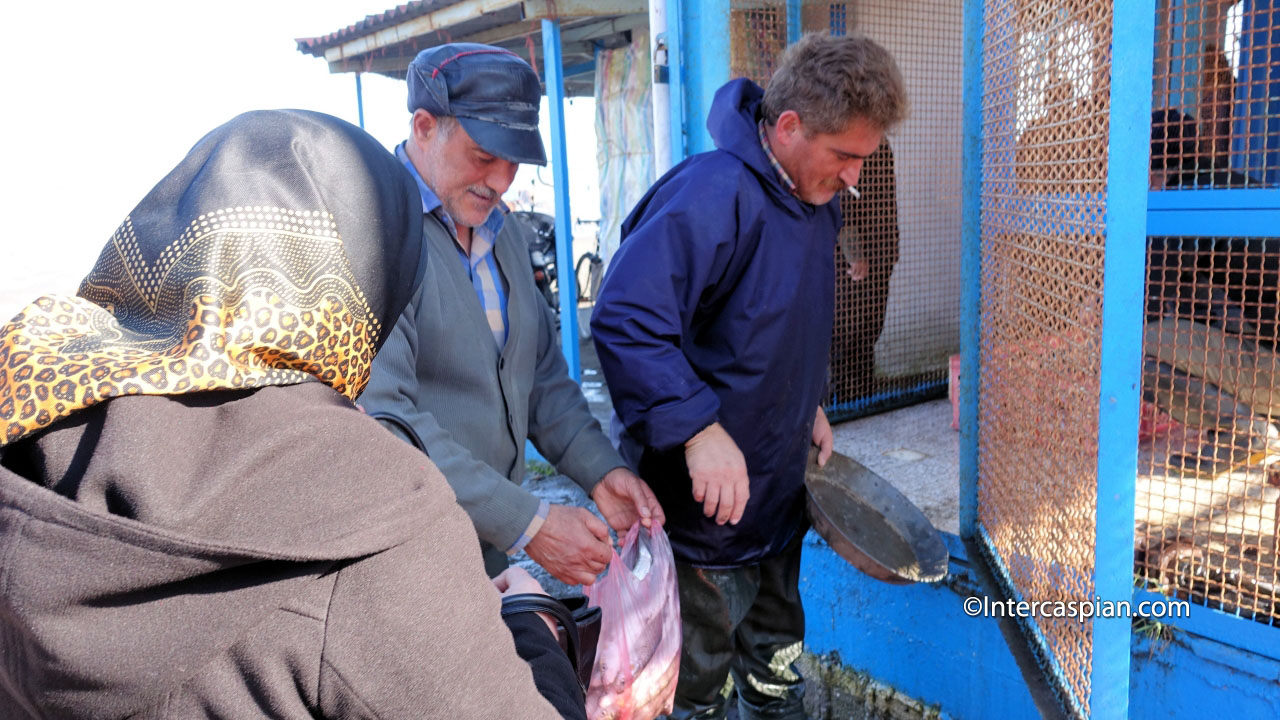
872	525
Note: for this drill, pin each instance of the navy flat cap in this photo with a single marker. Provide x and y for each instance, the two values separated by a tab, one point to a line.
491	91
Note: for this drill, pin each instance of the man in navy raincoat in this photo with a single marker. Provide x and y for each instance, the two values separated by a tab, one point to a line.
713	327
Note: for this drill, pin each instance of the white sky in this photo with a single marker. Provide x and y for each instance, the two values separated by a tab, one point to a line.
102	99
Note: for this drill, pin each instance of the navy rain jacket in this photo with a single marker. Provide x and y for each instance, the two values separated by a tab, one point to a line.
718	307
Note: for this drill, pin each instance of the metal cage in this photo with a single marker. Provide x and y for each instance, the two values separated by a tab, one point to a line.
1091	344
1208	485
896	322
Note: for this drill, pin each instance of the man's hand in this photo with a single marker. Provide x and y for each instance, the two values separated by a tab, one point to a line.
858	269
573	545
623	498
719	474
518	581
822	437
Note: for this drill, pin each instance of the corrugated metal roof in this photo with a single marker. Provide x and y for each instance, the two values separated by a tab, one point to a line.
371	24
377	45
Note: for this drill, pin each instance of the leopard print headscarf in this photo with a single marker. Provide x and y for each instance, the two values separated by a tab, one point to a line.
278	252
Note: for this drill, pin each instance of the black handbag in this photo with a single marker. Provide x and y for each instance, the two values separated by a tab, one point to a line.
578	627
588	620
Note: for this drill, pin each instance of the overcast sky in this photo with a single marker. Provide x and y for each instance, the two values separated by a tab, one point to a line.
102	99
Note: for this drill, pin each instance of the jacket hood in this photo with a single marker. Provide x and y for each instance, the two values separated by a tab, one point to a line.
732	122
123	588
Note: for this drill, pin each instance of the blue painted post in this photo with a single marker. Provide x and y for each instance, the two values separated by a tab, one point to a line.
970	267
795	21
360	101
705	64
1124	275
565	277
675	78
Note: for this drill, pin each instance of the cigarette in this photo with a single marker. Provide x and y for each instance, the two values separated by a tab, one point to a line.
854	192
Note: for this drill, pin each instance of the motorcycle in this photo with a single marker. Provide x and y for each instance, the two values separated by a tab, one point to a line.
539	231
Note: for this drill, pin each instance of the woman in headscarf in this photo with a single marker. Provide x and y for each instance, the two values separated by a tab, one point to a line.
195	518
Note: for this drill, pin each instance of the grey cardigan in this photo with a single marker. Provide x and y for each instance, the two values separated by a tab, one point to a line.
440	377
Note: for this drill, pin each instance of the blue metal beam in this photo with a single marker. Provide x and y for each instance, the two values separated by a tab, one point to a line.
970	266
565	277
1250	222
360	101
1123	292
705	64
1215	624
581	68
675	78
1215	199
795	21
1237	212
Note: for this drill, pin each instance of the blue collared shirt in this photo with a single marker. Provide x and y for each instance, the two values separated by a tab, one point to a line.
481	265
482	268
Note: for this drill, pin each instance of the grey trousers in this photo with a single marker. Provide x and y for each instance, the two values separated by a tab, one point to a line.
748	622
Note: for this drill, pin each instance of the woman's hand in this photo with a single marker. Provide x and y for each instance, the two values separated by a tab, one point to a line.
518	581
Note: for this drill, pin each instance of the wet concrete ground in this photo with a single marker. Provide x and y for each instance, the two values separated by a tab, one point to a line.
915	449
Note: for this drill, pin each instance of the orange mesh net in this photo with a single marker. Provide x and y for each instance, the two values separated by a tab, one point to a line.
1212	65
1208	491
896	315
1046	91
757	38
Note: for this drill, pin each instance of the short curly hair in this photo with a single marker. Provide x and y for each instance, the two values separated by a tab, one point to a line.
829	81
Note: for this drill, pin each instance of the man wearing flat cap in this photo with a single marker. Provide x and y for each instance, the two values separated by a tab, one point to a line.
473	367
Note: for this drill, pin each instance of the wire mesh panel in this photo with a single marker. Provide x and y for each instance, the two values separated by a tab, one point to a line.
836	18
897	285
1045	105
1208	492
757	38
1216	97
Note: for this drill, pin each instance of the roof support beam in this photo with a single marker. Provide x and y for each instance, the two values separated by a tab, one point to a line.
605	27
580	69
452	15
563	9
402	32
394	64
583	30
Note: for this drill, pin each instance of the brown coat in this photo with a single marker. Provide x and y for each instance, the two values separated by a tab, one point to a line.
269	553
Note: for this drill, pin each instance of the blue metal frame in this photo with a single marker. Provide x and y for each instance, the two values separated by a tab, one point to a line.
1220	199
581	68
360	101
564	221
1234	212
795	21
971	267
1120	395
1223	627
675	78
887	400
704	47
1244	212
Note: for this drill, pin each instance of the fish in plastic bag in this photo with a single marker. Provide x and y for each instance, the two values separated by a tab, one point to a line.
638	655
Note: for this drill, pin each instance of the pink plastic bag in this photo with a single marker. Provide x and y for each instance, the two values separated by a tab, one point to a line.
638	656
